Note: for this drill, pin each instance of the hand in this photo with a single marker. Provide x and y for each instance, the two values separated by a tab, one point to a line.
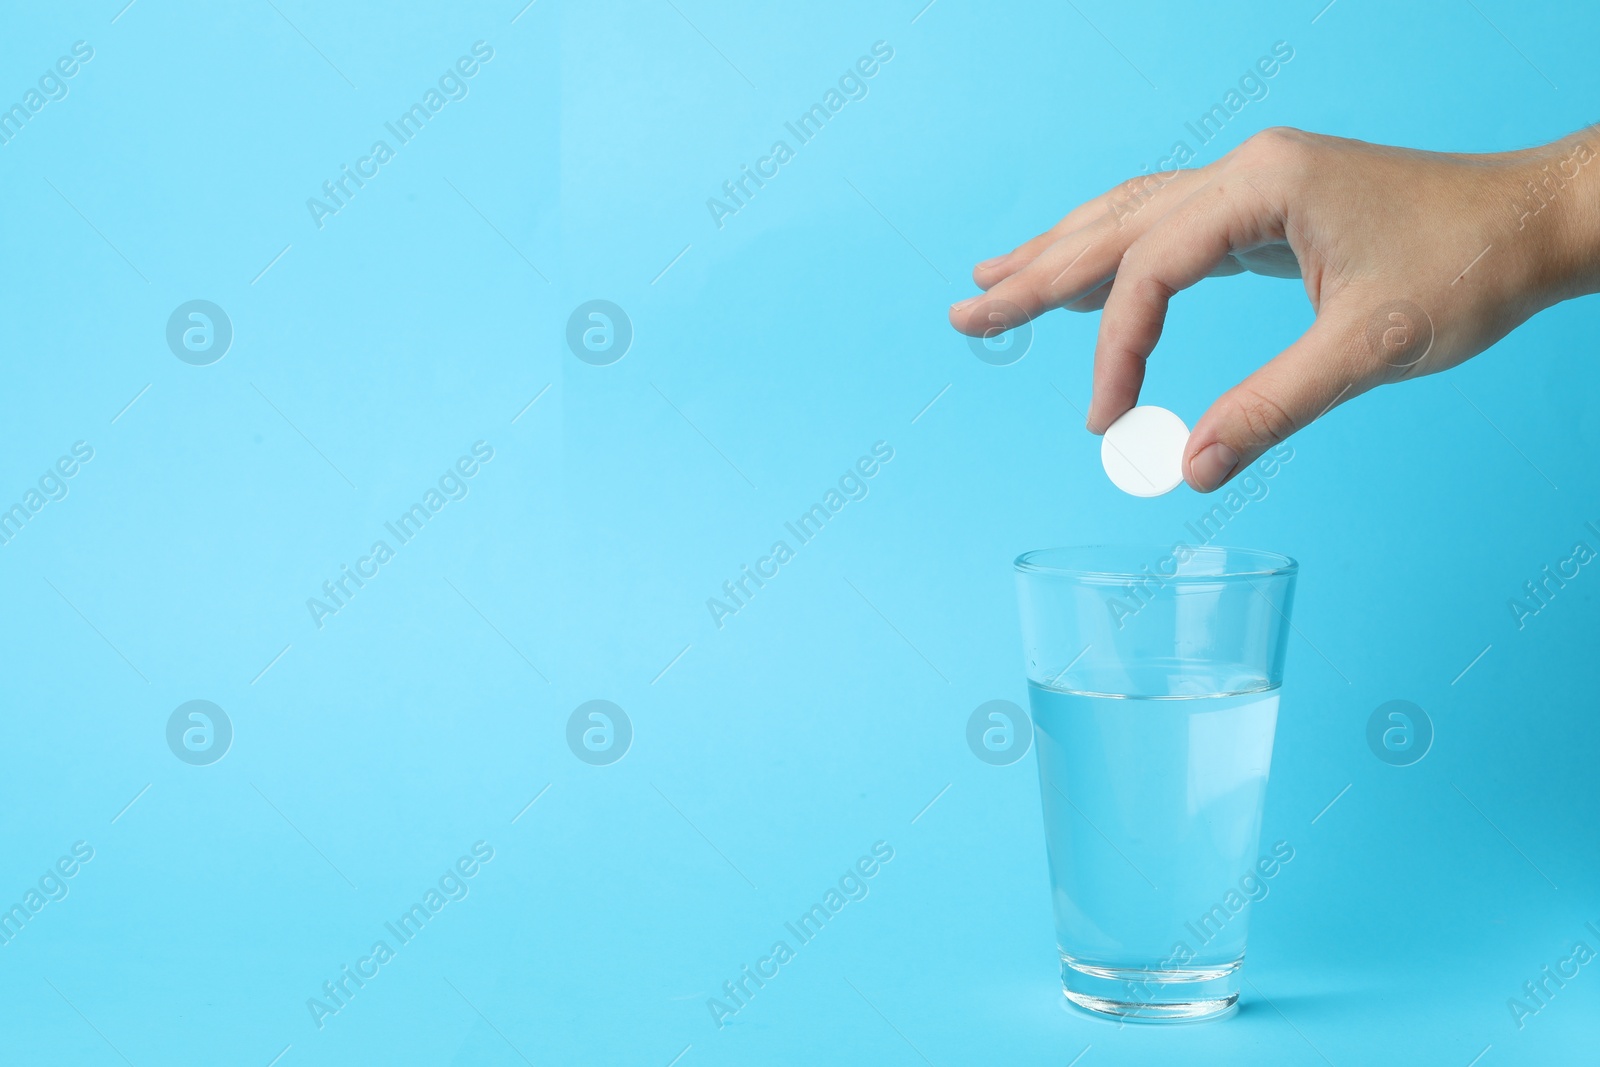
1413	261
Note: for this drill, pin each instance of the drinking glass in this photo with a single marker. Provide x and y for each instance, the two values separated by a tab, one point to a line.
1153	677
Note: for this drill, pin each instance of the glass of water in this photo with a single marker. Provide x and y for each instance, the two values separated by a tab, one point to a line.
1153	675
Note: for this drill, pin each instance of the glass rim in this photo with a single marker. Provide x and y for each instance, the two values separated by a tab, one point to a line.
1076	561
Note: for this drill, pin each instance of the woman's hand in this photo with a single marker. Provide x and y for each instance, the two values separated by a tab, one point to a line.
1413	261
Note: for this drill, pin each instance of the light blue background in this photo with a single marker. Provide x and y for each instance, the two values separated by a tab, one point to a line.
370	754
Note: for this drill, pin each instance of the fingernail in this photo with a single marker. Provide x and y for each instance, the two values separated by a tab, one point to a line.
1211	466
962	305
990	263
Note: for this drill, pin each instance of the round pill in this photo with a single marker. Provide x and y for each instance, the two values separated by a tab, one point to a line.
1142	451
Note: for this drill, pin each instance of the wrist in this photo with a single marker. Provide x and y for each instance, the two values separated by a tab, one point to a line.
1558	206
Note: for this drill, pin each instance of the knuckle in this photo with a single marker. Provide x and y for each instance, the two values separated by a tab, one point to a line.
1139	278
1137	187
1152	291
1279	148
1130	196
1396	345
1278	138
1267	421
1025	294
1381	371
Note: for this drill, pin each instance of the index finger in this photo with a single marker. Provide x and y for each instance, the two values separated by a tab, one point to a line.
1186	245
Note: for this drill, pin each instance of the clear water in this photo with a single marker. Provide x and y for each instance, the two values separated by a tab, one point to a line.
1152	812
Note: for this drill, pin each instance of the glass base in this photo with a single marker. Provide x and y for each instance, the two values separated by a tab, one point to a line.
1146	995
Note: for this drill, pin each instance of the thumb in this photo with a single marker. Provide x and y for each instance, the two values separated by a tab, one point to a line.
1299	386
